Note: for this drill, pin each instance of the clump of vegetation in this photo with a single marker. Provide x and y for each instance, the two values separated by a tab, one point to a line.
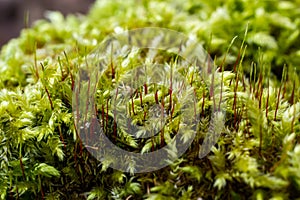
257	155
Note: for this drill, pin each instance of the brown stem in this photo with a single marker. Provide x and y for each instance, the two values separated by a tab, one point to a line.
221	92
111	64
49	98
292	102
115	125
22	168
86	111
162	137
268	96
156	97
132	106
212	90
293	94
277	103
234	108
284	87
162	120
145	115
171	87
171	104
42	191
146	88
254	81
48	94
18	195
141	98
102	116
260	96
203	102
235	65
243	82
69	71
61	70
106	116
259	88
61	136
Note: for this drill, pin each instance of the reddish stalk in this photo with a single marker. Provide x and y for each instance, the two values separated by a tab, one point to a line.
145	115
106	119
52	108
250	78
156	97
235	100
49	98
292	102
268	96
212	90
162	137
141	98
61	70
260	95
235	65
22	168
77	119
203	102
171	104
192	79
10	193
284	85
115	116
115	127
48	94
152	146
145	88
95	116
259	87
86	110
61	136
115	124
132	106
221	93
102	115
69	70
254	81
277	103
293	94
162	120
243	82
171	89
111	64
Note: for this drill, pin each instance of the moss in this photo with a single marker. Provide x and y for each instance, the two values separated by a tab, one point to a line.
256	155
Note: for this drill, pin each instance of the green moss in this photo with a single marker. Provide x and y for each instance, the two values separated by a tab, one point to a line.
257	154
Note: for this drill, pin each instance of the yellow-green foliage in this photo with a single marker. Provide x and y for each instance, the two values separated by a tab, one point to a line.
257	154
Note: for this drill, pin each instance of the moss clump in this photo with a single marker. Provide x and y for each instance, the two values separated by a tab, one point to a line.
257	154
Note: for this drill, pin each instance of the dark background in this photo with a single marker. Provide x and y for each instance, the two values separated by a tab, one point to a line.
13	12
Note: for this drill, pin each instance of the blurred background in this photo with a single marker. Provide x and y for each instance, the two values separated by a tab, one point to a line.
13	12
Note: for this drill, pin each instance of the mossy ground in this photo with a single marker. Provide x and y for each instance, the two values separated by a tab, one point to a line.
257	155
